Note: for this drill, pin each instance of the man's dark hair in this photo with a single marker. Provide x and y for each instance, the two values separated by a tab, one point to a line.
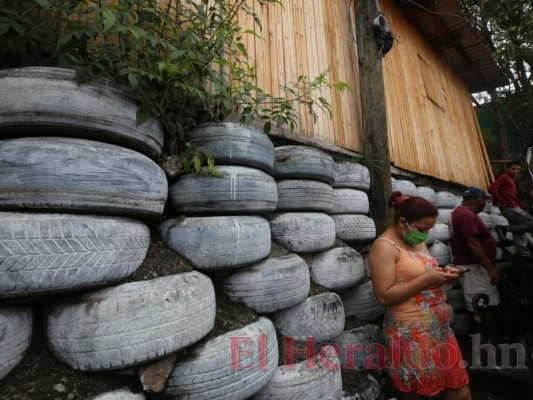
511	163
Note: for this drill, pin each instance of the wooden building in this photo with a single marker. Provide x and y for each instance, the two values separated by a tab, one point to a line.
436	62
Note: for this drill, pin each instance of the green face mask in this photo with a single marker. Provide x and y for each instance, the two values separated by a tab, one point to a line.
414	237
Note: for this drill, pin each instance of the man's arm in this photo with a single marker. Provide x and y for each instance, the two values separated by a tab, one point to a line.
494	187
475	247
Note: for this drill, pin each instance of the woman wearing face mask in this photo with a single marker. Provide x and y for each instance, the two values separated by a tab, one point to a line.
422	354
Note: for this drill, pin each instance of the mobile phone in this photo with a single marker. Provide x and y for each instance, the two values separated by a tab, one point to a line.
461	271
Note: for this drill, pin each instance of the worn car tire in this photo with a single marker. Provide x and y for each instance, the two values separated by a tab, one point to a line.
79	175
487	219
354	228
359	347
350	201
49	253
498	220
321	317
367	389
444	199
16	329
440	232
271	285
407	188
444	215
44	100
218	242
426	193
441	252
338	268
240	190
215	370
120	394
303	232
304	195
122	326
230	143
361	303
351	176
303	162
316	379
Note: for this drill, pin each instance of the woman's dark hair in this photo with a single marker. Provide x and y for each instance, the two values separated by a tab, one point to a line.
411	208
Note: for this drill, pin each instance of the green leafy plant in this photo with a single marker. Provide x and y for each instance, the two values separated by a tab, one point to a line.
185	63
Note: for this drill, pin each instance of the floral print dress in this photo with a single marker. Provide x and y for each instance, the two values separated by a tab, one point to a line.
421	352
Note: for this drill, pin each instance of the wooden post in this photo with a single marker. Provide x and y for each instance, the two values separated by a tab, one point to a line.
375	137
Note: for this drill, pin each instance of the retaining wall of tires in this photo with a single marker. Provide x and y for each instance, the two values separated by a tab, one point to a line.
283	232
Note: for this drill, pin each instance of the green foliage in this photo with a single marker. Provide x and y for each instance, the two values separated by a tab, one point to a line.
507	29
360	157
185	63
281	110
192	160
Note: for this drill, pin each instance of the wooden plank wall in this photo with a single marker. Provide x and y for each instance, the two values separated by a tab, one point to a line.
306	37
439	140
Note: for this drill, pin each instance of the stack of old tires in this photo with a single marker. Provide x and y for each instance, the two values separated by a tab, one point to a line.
445	202
221	228
77	179
355	227
225	227
78	191
498	221
357	230
301	224
310	185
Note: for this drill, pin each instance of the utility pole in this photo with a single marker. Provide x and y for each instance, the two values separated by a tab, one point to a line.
375	137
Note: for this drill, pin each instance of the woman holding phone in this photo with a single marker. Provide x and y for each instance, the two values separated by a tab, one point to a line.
422	354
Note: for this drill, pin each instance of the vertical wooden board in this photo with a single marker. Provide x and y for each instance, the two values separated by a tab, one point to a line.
347	110
289	47
322	124
245	22
339	55
276	60
259	52
289	51
332	52
450	124
301	58
399	126
413	102
394	118
427	134
425	130
280	49
457	128
350	99
262	53
399	107
312	51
